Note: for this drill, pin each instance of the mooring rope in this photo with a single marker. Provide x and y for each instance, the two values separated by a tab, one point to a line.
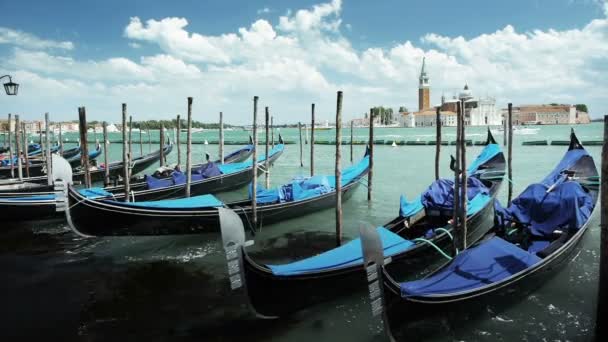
434	246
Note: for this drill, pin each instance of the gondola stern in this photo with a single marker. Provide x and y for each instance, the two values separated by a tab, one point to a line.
373	263
234	243
490	139
281	141
575	144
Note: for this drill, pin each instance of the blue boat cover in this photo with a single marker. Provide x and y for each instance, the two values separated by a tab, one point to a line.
94	193
566	206
31	198
570	158
156	183
407	209
207	170
474	205
349	254
202	201
309	187
486	154
440	194
490	262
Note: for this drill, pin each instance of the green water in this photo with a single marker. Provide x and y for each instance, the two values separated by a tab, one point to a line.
170	287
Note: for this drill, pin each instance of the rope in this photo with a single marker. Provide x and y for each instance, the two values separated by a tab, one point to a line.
434	246
446	231
248	222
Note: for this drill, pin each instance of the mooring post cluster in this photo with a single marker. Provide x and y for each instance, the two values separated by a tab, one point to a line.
254	165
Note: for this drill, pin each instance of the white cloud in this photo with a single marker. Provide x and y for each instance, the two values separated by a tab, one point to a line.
30	41
264	10
305	58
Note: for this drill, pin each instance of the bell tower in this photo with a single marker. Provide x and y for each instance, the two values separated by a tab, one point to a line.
424	90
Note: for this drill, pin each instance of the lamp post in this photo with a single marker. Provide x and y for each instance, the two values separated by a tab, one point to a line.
10	87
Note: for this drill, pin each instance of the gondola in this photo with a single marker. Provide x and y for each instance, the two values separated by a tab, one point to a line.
37	166
239	155
35	201
277	290
230	177
37	186
94	217
529	242
76	160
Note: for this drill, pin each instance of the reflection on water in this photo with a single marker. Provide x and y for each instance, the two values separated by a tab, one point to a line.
57	286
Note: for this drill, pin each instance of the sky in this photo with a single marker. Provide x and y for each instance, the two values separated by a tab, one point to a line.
153	55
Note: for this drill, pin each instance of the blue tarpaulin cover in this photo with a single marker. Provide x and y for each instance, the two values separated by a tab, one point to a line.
407	209
202	201
303	188
207	170
31	198
156	183
490	262
566	206
440	194
346	255
486	154
94	193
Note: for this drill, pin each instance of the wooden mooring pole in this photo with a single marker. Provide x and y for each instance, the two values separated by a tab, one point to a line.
141	141
254	165
125	159
178	141
312	141
601	318
149	140
26	150
189	149
106	169
39	135
266	162
84	147
47	141
456	218
437	141
510	154
60	140
463	177
351	140
301	146
162	145
370	174
338	172
10	146
18	147
130	144
504	131
271	130
221	138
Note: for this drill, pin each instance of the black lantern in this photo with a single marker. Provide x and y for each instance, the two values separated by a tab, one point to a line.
10	87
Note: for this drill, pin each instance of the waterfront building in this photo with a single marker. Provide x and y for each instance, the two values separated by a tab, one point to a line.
544	114
478	111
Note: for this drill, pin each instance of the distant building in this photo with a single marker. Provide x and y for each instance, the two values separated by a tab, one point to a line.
547	115
477	111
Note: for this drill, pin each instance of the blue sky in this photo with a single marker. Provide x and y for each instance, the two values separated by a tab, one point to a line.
152	55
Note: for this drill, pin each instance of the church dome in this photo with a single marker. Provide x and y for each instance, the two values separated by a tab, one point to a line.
466	93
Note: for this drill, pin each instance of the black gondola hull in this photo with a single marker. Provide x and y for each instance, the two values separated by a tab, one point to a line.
274	296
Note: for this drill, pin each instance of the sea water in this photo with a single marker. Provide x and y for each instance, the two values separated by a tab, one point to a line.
58	286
